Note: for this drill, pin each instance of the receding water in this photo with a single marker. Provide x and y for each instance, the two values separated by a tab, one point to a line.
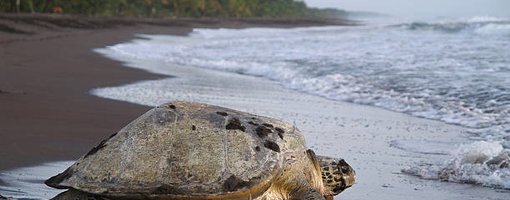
28	182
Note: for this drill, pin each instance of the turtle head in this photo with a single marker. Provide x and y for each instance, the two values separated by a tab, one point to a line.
337	175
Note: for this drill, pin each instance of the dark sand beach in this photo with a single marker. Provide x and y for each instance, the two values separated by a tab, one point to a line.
47	68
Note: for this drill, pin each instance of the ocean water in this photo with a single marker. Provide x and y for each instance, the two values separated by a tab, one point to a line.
452	70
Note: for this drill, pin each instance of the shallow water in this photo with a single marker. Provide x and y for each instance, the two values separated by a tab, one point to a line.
456	71
28	182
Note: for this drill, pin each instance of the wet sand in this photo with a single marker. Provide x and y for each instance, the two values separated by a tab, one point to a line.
46	111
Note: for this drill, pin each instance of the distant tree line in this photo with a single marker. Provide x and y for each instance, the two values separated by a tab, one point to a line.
174	8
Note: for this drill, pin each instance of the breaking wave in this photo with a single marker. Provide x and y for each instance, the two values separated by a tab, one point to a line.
484	163
477	25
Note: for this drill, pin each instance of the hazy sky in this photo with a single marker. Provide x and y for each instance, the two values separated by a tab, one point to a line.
422	8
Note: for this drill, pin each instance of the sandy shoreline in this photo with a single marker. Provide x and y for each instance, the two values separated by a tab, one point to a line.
46	72
47	68
50	116
47	113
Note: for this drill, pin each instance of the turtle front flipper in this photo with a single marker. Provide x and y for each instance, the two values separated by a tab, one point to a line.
310	194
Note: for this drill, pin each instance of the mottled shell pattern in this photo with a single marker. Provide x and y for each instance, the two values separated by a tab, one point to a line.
185	150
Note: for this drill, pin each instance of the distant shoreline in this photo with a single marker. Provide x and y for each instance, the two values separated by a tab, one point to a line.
14	27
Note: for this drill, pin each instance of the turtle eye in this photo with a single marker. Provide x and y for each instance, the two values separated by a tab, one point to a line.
344	169
343	166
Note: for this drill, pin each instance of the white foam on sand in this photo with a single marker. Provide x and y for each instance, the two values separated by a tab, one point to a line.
485	163
376	142
28	182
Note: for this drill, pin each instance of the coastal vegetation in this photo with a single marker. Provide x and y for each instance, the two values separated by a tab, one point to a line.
173	8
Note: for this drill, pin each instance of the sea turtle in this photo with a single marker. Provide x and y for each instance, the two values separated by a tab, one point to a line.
187	150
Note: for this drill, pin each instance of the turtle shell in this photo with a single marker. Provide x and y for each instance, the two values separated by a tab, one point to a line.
185	150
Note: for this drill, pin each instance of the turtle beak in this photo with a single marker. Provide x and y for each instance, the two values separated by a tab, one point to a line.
350	179
349	175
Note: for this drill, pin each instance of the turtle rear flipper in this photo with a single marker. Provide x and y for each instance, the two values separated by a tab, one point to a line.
73	194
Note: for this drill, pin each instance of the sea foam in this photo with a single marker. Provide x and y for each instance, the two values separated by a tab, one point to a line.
484	163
